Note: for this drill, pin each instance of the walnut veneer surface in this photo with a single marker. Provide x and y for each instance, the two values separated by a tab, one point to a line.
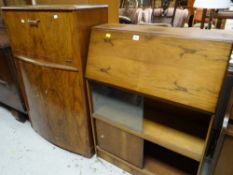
49	45
188	66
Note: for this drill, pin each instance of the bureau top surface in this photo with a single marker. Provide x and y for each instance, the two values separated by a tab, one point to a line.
178	65
54	7
193	33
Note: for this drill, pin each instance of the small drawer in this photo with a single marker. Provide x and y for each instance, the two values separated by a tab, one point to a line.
123	145
42	35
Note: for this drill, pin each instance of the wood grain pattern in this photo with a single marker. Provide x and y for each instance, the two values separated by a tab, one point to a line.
31	41
120	143
51	64
56	106
189	33
171	60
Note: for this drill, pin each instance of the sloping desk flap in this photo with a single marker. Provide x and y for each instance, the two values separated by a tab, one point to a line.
178	65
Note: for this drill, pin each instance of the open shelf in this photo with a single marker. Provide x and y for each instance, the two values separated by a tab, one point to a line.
182	131
159	160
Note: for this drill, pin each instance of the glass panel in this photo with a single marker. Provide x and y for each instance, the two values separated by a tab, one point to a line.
118	106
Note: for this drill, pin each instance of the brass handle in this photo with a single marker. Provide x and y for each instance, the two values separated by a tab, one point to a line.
33	22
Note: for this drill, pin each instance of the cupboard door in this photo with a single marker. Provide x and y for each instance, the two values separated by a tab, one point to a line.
42	35
56	106
52	37
120	143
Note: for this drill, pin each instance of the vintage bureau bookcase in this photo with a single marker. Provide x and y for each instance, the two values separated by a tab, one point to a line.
49	45
153	94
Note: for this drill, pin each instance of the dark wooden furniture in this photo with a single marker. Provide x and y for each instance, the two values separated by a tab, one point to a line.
49	45
9	85
223	157
155	91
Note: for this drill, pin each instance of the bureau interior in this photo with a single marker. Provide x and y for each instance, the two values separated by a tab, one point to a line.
167	129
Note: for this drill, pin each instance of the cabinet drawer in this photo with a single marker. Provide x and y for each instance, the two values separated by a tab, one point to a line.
120	143
41	35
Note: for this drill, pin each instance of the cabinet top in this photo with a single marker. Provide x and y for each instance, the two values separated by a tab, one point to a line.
189	33
54	7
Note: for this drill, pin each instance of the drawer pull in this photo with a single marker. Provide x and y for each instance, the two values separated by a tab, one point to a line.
33	23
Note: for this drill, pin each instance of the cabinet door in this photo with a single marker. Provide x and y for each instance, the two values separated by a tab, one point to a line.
42	35
124	145
56	106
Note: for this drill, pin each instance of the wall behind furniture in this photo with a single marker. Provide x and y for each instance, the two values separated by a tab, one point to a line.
113	6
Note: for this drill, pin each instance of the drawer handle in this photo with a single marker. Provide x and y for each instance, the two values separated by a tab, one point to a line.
33	23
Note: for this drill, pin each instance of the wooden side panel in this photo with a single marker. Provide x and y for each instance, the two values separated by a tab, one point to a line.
9	88
113	9
81	33
113	14
56	106
120	143
225	160
188	71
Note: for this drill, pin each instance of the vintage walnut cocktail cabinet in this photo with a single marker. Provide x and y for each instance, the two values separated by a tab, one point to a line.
153	95
49	45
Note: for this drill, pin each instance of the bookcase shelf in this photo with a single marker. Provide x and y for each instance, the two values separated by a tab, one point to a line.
176	128
159	160
182	131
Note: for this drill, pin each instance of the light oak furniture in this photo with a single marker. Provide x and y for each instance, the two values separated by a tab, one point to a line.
113	14
49	45
153	93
